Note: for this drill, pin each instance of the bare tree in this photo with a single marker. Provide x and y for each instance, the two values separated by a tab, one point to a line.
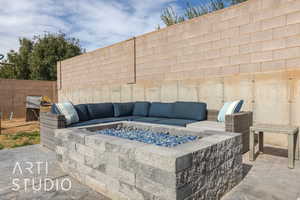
170	17
195	11
233	2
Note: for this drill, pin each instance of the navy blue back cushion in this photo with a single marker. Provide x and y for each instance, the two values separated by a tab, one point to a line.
161	109
100	110
123	109
190	110
141	109
82	112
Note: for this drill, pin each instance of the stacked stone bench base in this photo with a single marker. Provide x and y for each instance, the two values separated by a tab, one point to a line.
125	169
48	124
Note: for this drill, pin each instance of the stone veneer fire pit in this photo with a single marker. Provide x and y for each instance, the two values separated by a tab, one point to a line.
203	168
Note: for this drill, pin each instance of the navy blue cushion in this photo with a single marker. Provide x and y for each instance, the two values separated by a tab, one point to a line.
175	122
190	110
147	119
141	108
82	112
100	110
161	109
123	109
103	120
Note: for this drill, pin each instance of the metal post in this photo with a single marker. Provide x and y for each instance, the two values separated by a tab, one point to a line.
261	142
11	115
291	150
252	145
297	153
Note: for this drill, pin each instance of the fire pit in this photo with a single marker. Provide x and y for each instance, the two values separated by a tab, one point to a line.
147	136
130	160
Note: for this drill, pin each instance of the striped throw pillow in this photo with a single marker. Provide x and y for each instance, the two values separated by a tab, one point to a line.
229	108
67	109
222	112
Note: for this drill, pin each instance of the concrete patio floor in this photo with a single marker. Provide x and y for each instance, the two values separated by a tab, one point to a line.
268	178
33	154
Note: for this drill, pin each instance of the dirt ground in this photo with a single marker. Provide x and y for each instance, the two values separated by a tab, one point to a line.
18	125
17	132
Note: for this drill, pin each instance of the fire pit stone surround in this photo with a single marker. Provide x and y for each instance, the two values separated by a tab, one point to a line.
205	168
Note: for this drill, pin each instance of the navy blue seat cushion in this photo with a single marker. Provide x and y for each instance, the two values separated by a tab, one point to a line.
161	110
141	108
147	119
190	110
100	110
123	109
82	112
103	120
175	122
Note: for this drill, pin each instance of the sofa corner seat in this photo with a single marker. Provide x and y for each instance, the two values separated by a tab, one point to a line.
186	114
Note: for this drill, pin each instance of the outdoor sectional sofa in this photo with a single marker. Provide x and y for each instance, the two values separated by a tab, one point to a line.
193	115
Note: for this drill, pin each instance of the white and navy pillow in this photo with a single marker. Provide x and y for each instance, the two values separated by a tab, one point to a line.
67	109
222	112
229	108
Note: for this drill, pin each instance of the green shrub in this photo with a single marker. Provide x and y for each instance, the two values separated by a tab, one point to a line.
1	146
30	135
26	138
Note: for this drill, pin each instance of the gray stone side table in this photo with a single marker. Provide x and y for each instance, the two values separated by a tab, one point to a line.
290	131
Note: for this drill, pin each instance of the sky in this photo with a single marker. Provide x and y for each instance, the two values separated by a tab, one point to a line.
96	23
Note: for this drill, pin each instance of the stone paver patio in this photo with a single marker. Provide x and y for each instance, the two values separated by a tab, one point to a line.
268	178
36	153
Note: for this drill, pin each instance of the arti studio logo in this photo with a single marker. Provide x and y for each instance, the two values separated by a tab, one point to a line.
33	176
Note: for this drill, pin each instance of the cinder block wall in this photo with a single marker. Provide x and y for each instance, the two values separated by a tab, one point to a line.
250	51
13	94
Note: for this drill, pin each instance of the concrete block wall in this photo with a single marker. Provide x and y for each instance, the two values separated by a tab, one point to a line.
13	94
250	51
114	64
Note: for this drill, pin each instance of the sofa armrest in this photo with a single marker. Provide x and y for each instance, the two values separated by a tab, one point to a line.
49	122
212	115
240	123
